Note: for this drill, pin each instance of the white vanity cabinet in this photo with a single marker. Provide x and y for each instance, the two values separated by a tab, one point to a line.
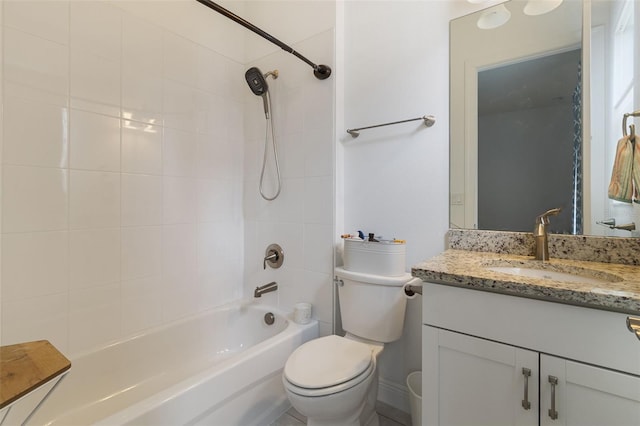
476	381
586	394
488	359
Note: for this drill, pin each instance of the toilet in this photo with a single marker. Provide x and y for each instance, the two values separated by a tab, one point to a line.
333	380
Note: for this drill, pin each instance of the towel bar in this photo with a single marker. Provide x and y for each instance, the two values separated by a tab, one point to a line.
429	121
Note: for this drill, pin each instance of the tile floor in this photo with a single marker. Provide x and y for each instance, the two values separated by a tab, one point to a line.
389	416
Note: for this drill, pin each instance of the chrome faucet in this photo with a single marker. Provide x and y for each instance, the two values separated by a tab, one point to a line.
267	288
540	234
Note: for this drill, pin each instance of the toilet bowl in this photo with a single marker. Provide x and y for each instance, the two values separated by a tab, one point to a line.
333	380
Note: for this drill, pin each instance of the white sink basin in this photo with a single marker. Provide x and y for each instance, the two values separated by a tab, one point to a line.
548	275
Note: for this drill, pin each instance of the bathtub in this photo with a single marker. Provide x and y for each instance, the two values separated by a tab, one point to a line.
222	367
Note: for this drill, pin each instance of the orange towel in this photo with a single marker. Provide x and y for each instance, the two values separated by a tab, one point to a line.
621	186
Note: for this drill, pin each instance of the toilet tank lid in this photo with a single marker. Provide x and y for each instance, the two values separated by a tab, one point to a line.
327	361
398	281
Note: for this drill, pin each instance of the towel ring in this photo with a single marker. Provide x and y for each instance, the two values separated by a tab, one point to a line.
631	127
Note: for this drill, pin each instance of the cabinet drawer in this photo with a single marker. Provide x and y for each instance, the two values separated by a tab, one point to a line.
588	335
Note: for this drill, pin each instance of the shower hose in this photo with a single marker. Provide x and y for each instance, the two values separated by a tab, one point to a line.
269	129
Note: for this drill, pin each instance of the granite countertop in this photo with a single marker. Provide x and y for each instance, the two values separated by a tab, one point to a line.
619	291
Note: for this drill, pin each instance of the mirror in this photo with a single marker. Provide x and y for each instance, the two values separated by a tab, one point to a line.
519	143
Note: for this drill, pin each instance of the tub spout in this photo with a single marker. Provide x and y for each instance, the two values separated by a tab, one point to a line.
267	288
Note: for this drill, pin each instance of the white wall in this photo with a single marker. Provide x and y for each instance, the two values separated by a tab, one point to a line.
396	178
122	170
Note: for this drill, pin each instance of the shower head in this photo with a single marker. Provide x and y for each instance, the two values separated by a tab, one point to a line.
258	85
256	81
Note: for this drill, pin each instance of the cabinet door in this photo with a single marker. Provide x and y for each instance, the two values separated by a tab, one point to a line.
472	381
586	395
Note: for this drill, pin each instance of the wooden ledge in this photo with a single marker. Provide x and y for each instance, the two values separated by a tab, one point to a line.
27	366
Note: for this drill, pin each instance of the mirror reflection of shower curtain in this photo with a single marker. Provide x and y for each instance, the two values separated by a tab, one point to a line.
576	204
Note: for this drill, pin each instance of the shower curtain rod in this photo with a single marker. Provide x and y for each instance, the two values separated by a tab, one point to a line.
320	71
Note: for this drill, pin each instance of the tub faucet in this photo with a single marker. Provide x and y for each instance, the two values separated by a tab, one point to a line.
540	234
267	288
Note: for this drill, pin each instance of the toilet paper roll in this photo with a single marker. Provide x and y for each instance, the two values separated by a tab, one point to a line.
406	288
302	313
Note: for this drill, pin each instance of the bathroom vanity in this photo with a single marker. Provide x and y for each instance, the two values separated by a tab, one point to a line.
530	342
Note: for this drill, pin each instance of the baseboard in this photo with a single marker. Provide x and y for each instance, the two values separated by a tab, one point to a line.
394	395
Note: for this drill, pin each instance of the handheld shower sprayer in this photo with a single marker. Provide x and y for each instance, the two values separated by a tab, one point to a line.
258	84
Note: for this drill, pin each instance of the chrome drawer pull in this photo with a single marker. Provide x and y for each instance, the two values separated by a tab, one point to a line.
525	402
552	411
633	324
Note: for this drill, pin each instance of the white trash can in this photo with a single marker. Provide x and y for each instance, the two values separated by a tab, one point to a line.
414	383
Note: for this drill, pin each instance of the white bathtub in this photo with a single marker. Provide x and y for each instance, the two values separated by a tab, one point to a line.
219	368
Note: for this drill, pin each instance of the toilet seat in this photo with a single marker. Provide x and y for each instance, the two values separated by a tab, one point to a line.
328	365
316	392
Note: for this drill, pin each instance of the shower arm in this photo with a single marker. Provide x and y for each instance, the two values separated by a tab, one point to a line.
320	71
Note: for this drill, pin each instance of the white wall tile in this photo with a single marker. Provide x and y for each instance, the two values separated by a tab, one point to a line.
95	83
141	304
113	268
291	147
141	200
96	26
179	200
213	157
318	152
210	65
34	264
291	208
179	270
215	123
141	95
94	257
141	45
318	200
94	317
318	293
318	248
37	318
141	148
94	199
46	19
34	199
180	59
178	105
215	201
35	133
211	247
292	112
179	153
40	65
141	252
181	295
95	142
179	249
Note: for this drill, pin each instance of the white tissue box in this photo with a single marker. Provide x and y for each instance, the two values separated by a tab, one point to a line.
377	258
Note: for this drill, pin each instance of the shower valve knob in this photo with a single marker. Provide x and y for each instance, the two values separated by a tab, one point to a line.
274	257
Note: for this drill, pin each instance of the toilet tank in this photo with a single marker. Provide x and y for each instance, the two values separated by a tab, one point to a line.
372	306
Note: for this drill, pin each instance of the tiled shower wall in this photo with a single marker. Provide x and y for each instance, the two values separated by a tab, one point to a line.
301	218
122	174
